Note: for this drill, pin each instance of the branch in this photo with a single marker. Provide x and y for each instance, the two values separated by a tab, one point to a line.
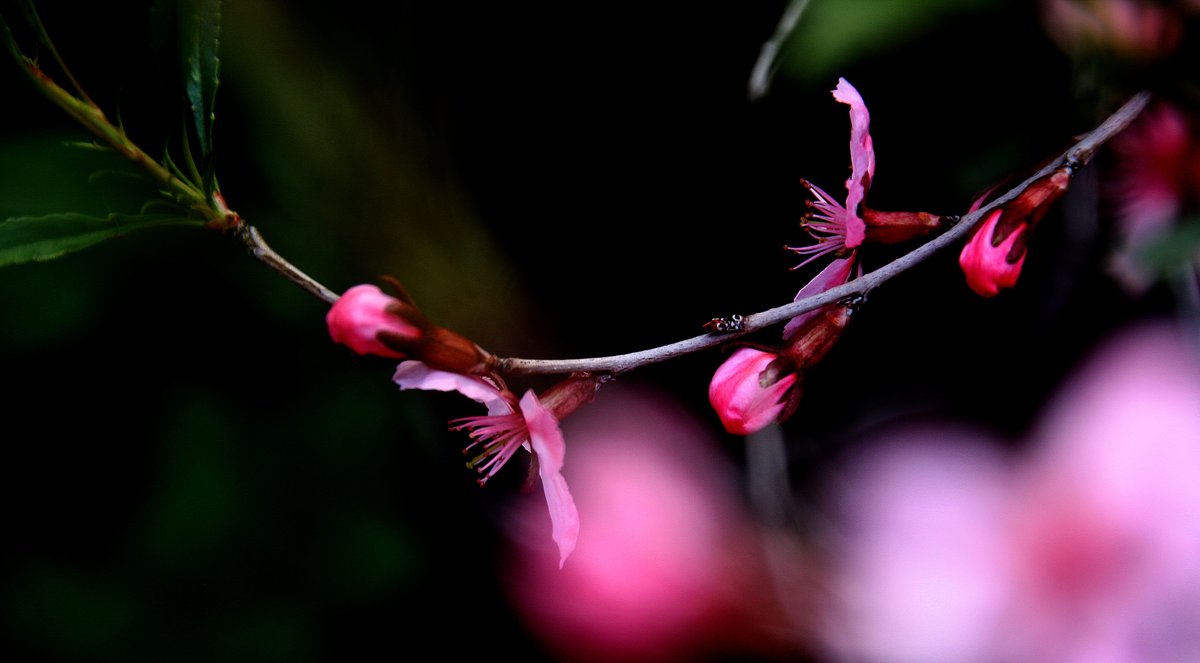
265	254
1078	155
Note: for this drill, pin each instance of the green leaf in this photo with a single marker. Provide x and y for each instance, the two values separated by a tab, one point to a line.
33	238
202	35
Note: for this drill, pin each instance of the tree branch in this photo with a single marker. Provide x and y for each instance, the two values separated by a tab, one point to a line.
1078	155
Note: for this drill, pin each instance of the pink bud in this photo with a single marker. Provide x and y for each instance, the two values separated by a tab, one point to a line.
748	392
364	313
986	267
993	257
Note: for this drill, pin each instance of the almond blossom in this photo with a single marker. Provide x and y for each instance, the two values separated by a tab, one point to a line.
510	425
839	229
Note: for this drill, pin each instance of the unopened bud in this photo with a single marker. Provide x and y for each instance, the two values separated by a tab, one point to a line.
992	259
751	389
372	323
368	321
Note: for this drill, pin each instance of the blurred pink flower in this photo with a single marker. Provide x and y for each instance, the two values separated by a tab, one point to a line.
1083	548
1156	176
509	426
668	567
1134	29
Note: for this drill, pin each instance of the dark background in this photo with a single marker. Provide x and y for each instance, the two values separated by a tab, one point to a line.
193	471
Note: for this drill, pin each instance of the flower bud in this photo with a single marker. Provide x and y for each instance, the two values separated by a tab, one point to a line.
364	316
368	321
750	390
992	259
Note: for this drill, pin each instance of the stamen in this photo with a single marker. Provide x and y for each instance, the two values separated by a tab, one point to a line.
496	436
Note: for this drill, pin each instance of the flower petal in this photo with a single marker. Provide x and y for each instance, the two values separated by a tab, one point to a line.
835	273
862	160
547	441
416	375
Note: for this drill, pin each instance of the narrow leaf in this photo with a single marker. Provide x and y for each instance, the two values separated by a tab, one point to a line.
34	238
200	35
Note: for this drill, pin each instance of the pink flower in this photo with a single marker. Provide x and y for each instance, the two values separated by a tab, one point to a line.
669	566
991	260
1157	176
839	229
363	316
511	425
1133	29
1082	547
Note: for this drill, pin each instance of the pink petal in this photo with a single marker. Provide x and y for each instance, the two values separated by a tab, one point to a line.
416	375
547	441
835	273
862	160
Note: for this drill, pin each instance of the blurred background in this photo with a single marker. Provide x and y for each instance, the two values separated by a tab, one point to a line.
195	472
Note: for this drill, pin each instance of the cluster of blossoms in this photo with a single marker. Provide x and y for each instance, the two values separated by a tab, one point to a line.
757	386
371	322
754	387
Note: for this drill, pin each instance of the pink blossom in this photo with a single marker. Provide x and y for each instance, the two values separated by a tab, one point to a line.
1135	29
1082	546
509	425
1157	174
840	229
363	314
668	567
